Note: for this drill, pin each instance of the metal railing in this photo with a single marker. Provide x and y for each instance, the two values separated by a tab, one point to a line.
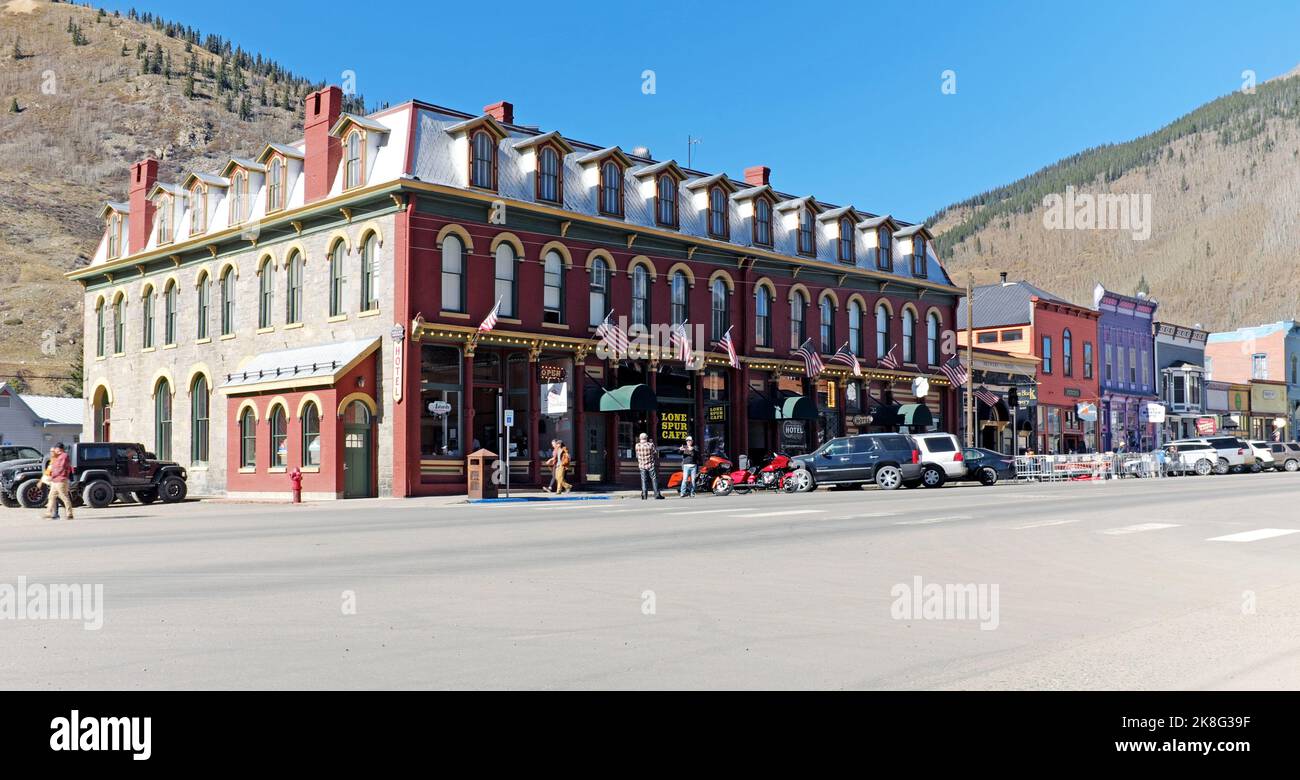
1103	465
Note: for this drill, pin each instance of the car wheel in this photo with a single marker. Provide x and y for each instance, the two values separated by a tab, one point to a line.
9	501
801	480
722	485
932	477
988	476
889	477
32	494
99	494
1292	465
1221	466
146	496
1204	467
173	489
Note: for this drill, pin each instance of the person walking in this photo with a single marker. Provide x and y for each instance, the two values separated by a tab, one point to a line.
45	480
690	458
647	462
562	461
60	471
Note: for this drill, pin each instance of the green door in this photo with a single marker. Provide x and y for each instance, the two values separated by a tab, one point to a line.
356	451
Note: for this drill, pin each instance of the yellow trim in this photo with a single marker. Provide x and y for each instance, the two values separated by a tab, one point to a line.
362	397
335	237
889	307
202	275
268	329
293	326
726	277
248	403
228	264
199	369
455	314
368	313
829	293
679	266
370	227
310	469
281	402
564	253
337	318
101	384
555	325
507	238
862	302
266	258
459	232
798	287
603	255
764	281
226	337
203	341
248	469
935	310
288	251
162	373
642	260
147	288
308	399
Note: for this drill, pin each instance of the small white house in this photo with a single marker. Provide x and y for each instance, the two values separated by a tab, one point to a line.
39	421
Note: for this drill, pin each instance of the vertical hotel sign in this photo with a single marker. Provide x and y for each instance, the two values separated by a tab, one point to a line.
398	334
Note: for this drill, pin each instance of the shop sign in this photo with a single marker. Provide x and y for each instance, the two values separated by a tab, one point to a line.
555	399
674	426
551	373
1155	413
1073	392
440	408
859	420
792	432
716	414
1206	426
1087	411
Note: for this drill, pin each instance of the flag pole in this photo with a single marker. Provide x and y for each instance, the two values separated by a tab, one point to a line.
970	360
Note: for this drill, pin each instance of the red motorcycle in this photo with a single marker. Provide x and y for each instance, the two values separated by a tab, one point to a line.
768	475
706	476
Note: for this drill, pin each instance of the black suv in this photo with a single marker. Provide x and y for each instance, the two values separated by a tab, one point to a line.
888	459
101	472
16	463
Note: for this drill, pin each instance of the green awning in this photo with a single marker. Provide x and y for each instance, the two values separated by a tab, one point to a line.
797	407
885	416
915	416
629	398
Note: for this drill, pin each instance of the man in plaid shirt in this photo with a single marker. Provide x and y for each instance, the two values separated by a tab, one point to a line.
647	462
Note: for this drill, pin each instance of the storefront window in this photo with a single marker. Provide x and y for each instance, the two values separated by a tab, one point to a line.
517	399
440	401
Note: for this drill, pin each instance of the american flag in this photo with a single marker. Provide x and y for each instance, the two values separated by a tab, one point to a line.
955	371
987	396
680	340
845	355
489	322
729	347
889	361
1277	434
613	336
811	360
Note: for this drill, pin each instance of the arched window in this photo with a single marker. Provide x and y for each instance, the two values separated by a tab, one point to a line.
165	219
885	252
199	420
611	189
162	417
855	328
719	218
762	222
310	435
293	269
505	278
827	326
762	317
483	161
848	252
909	336
275	185
170	299
103	414
550	185
198	209
453	274
238	197
807	233
1067	353
370	275
119	325
147	319
353	165
553	287
666	201
798	307
640	296
882	330
248	440
719	316
932	339
598	295
918	255
265	293
338	279
679	291
114	236
101	329
202	307
228	301
279	431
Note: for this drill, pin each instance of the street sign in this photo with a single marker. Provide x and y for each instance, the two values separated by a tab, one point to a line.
1155	413
509	418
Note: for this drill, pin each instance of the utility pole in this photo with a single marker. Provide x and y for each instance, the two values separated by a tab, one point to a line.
970	360
691	141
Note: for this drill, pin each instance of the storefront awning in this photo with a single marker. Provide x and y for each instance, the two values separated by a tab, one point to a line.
885	416
797	407
629	398
915	416
322	365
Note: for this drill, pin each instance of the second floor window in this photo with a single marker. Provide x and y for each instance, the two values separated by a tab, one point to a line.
1067	353
720	318
119	325
885	250
352	167
170	296
718	222
918	255
640	296
338	280
932	339
882	331
798	306
549	182
807	232
369	273
505	279
827	325
666	201
293	289
265	294
201	311
611	189
238	198
762	222
146	325
228	302
598	294
553	287
679	291
483	161
453	275
1087	360
1047	354
762	317
909	336
1259	366
275	185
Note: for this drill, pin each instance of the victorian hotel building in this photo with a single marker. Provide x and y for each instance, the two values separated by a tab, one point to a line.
314	307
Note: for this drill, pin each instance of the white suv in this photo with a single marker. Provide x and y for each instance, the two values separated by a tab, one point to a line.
941	458
1233	453
1264	460
1190	457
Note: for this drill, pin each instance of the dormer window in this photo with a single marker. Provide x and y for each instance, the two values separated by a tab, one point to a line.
238	197
918	255
611	189
885	251
114	235
165	217
483	160
550	184
666	201
763	222
807	236
275	184
198	209
354	161
847	251
719	222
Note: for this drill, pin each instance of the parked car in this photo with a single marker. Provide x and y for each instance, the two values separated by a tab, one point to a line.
8	454
1190	457
890	460
1286	454
986	466
20	471
941	458
1232	454
1263	456
105	471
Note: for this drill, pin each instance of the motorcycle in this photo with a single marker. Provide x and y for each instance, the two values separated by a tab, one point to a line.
768	475
706	476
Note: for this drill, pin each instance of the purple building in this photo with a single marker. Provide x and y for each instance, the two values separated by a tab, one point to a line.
1128	380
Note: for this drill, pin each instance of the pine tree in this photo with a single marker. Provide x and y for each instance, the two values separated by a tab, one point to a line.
189	86
230	104
1142	287
18	52
246	109
13	107
73	387
157	59
262	96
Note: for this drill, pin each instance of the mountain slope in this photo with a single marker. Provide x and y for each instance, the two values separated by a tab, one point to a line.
86	112
1225	207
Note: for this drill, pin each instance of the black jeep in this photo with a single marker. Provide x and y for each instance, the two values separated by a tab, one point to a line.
17	470
101	472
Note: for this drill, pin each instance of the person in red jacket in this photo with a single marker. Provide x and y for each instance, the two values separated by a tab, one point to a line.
60	473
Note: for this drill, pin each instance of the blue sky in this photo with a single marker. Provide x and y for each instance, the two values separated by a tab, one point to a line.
842	103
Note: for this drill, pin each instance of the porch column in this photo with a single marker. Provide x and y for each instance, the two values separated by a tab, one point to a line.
467	402
534	416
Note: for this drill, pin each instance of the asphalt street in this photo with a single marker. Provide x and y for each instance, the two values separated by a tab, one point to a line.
1181	583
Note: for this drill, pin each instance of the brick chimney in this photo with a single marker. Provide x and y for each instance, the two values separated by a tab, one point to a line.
758	175
144	175
501	111
324	152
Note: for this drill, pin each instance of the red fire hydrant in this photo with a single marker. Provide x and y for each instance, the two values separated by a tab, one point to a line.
295	479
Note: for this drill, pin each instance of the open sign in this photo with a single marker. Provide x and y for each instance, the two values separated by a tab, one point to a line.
440	407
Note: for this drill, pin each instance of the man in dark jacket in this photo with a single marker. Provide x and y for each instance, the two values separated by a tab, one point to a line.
690	462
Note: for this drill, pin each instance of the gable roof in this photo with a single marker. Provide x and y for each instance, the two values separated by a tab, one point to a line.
50	410
721	179
363	122
1003	304
283	149
486	121
598	156
552	137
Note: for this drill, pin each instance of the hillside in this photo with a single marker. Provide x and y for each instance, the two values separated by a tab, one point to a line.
1225	205
96	92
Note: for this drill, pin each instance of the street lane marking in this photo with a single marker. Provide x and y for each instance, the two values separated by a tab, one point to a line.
1139	528
701	512
785	513
1042	524
931	520
1255	536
